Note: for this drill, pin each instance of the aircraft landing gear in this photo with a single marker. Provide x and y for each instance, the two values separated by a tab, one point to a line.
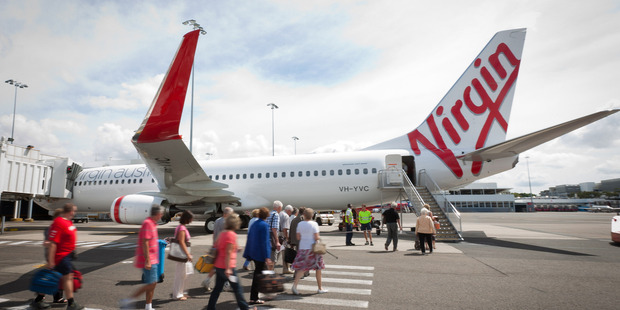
210	224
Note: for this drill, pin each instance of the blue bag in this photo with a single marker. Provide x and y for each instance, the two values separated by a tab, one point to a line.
45	281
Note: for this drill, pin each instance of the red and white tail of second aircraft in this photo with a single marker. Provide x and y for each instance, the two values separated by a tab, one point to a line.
463	139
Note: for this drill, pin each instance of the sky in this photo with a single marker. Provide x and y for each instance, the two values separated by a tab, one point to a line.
344	74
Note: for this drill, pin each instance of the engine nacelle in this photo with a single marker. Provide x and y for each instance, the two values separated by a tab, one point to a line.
133	209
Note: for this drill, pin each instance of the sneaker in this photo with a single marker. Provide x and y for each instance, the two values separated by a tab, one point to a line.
39	305
75	306
205	284
322	291
386	248
366	243
395	249
126	303
294	289
371	243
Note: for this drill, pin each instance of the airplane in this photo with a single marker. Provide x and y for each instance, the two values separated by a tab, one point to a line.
462	140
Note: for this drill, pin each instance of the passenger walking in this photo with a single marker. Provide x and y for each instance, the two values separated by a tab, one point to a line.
38	302
258	249
284	234
274	228
392	221
365	219
225	263
147	258
348	221
218	227
293	241
425	229
180	275
254	215
306	260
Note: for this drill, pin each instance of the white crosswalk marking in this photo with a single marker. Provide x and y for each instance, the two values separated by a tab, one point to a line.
20	242
325	301
339	280
94	244
347	273
112	245
27	306
331	289
349	267
1	242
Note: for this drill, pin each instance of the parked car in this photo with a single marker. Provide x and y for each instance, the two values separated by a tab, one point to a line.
324	217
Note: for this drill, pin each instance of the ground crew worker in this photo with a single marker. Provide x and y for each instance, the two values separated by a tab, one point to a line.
348	221
365	221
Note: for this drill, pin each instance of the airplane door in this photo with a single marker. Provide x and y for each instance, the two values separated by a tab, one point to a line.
393	164
409	167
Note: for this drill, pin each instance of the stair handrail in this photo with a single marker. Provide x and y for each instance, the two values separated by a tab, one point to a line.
415	191
424	179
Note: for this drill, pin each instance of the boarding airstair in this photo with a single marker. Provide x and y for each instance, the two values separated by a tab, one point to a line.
396	179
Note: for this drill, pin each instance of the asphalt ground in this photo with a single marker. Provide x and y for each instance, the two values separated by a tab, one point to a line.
507	261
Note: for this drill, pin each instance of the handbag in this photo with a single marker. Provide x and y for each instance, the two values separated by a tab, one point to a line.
319	247
202	265
176	252
269	282
45	281
289	255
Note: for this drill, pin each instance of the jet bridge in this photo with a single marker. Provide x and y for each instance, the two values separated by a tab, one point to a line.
26	174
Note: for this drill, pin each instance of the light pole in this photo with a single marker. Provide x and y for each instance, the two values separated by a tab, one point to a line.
273	149
527	160
17	85
196	25
295	141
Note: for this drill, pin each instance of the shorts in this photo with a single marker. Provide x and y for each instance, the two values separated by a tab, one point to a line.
366	226
65	266
149	276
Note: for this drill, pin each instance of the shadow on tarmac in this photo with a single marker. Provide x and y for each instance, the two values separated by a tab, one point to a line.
479	237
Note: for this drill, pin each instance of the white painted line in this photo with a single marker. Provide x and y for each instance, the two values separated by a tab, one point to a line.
346	273
129	246
92	245
350	267
339	280
342	290
19	242
4	299
82	243
111	245
325	301
1	242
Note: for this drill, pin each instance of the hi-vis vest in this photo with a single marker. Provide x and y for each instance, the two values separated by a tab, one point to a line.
364	217
348	217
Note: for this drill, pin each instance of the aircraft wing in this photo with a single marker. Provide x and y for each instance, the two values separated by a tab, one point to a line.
518	145
179	176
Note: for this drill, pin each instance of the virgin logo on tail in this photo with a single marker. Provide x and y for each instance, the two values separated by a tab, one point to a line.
478	106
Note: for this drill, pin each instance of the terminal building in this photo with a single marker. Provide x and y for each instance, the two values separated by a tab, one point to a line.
482	197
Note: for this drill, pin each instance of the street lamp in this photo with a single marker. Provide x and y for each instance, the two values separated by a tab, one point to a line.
295	141
193	23
273	149
17	85
527	160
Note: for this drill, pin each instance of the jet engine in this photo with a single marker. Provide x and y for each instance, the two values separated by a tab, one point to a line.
133	209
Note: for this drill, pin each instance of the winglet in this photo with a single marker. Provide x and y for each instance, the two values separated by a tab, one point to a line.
162	121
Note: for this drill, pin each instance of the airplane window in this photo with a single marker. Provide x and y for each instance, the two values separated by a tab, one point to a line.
211	177
292	174
267	175
230	177
357	171
123	181
224	177
99	182
140	181
251	175
105	182
301	174
135	181
316	173
284	174
245	176
323	173
339	171
217	177
307	173
275	174
116	182
237	176
374	170
331	172
348	171
365	170
259	175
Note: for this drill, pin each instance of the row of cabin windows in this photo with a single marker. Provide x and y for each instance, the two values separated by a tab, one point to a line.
292	174
105	182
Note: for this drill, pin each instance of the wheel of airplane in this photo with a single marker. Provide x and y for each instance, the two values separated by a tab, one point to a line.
319	221
245	220
210	224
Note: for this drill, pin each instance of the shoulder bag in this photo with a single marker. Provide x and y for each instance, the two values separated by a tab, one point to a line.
176	252
319	247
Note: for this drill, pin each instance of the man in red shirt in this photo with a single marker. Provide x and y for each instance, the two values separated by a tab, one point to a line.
147	258
62	237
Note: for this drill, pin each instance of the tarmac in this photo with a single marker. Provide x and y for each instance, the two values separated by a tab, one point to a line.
507	261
